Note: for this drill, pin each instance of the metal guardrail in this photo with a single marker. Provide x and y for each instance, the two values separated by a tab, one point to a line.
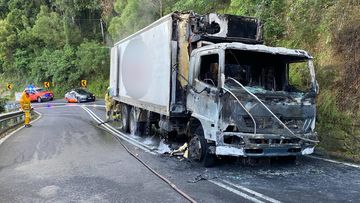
10	120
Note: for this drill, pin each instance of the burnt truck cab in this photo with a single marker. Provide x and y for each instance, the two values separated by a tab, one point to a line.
252	100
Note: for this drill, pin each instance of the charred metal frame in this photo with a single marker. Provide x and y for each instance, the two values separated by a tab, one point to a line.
275	142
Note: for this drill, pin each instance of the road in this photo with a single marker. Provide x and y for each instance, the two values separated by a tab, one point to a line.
67	157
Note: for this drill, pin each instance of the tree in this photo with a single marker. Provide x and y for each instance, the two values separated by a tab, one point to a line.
92	59
49	28
133	15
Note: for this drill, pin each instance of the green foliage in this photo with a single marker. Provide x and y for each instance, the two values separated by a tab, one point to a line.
299	76
49	28
133	15
56	41
92	58
200	6
272	13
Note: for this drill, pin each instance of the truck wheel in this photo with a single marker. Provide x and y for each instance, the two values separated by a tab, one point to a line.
134	124
39	100
125	117
199	149
147	128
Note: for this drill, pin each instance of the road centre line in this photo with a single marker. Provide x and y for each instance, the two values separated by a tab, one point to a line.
335	162
248	197
254	193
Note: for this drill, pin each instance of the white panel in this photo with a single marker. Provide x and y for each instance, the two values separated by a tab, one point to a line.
113	71
145	68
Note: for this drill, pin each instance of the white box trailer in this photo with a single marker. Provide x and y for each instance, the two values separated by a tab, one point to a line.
210	79
141	68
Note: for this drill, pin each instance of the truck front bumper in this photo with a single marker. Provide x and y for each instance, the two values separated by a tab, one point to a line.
263	145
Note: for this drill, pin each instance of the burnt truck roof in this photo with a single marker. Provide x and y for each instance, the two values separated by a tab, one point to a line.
256	48
212	27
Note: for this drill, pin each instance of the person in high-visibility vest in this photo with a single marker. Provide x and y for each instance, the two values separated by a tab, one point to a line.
26	107
109	104
117	112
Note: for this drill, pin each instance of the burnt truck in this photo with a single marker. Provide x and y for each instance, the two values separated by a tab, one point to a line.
209	79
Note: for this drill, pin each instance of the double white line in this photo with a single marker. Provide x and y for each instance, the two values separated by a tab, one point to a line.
242	191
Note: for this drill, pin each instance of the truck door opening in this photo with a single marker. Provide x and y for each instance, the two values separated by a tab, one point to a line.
209	69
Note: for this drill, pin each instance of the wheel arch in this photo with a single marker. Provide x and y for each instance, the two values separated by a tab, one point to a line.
208	127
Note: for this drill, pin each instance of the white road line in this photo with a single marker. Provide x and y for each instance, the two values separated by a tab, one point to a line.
253	199
336	162
2	140
259	195
116	132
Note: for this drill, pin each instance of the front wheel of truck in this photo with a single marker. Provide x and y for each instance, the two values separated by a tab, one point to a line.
199	149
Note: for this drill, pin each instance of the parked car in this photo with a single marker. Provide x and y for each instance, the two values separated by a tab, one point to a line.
39	94
79	95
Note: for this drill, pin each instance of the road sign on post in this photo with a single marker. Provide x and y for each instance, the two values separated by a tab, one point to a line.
9	86
83	83
47	84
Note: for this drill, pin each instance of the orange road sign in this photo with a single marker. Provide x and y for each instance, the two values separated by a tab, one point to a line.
9	86
47	84
83	83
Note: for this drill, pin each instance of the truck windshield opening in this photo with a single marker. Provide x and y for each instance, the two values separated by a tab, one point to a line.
268	71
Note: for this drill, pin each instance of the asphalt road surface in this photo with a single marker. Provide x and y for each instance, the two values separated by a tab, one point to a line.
67	157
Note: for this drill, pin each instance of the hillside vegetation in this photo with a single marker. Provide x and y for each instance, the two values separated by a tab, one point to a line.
62	42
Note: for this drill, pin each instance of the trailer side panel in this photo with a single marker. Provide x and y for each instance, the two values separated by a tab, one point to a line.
145	68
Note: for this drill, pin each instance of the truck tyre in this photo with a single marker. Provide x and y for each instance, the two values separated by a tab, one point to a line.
134	123
199	149
147	128
125	114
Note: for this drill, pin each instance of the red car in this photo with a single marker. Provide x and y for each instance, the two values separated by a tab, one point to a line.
40	95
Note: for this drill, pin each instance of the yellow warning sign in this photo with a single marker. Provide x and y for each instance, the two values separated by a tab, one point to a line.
83	83
9	86
47	84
